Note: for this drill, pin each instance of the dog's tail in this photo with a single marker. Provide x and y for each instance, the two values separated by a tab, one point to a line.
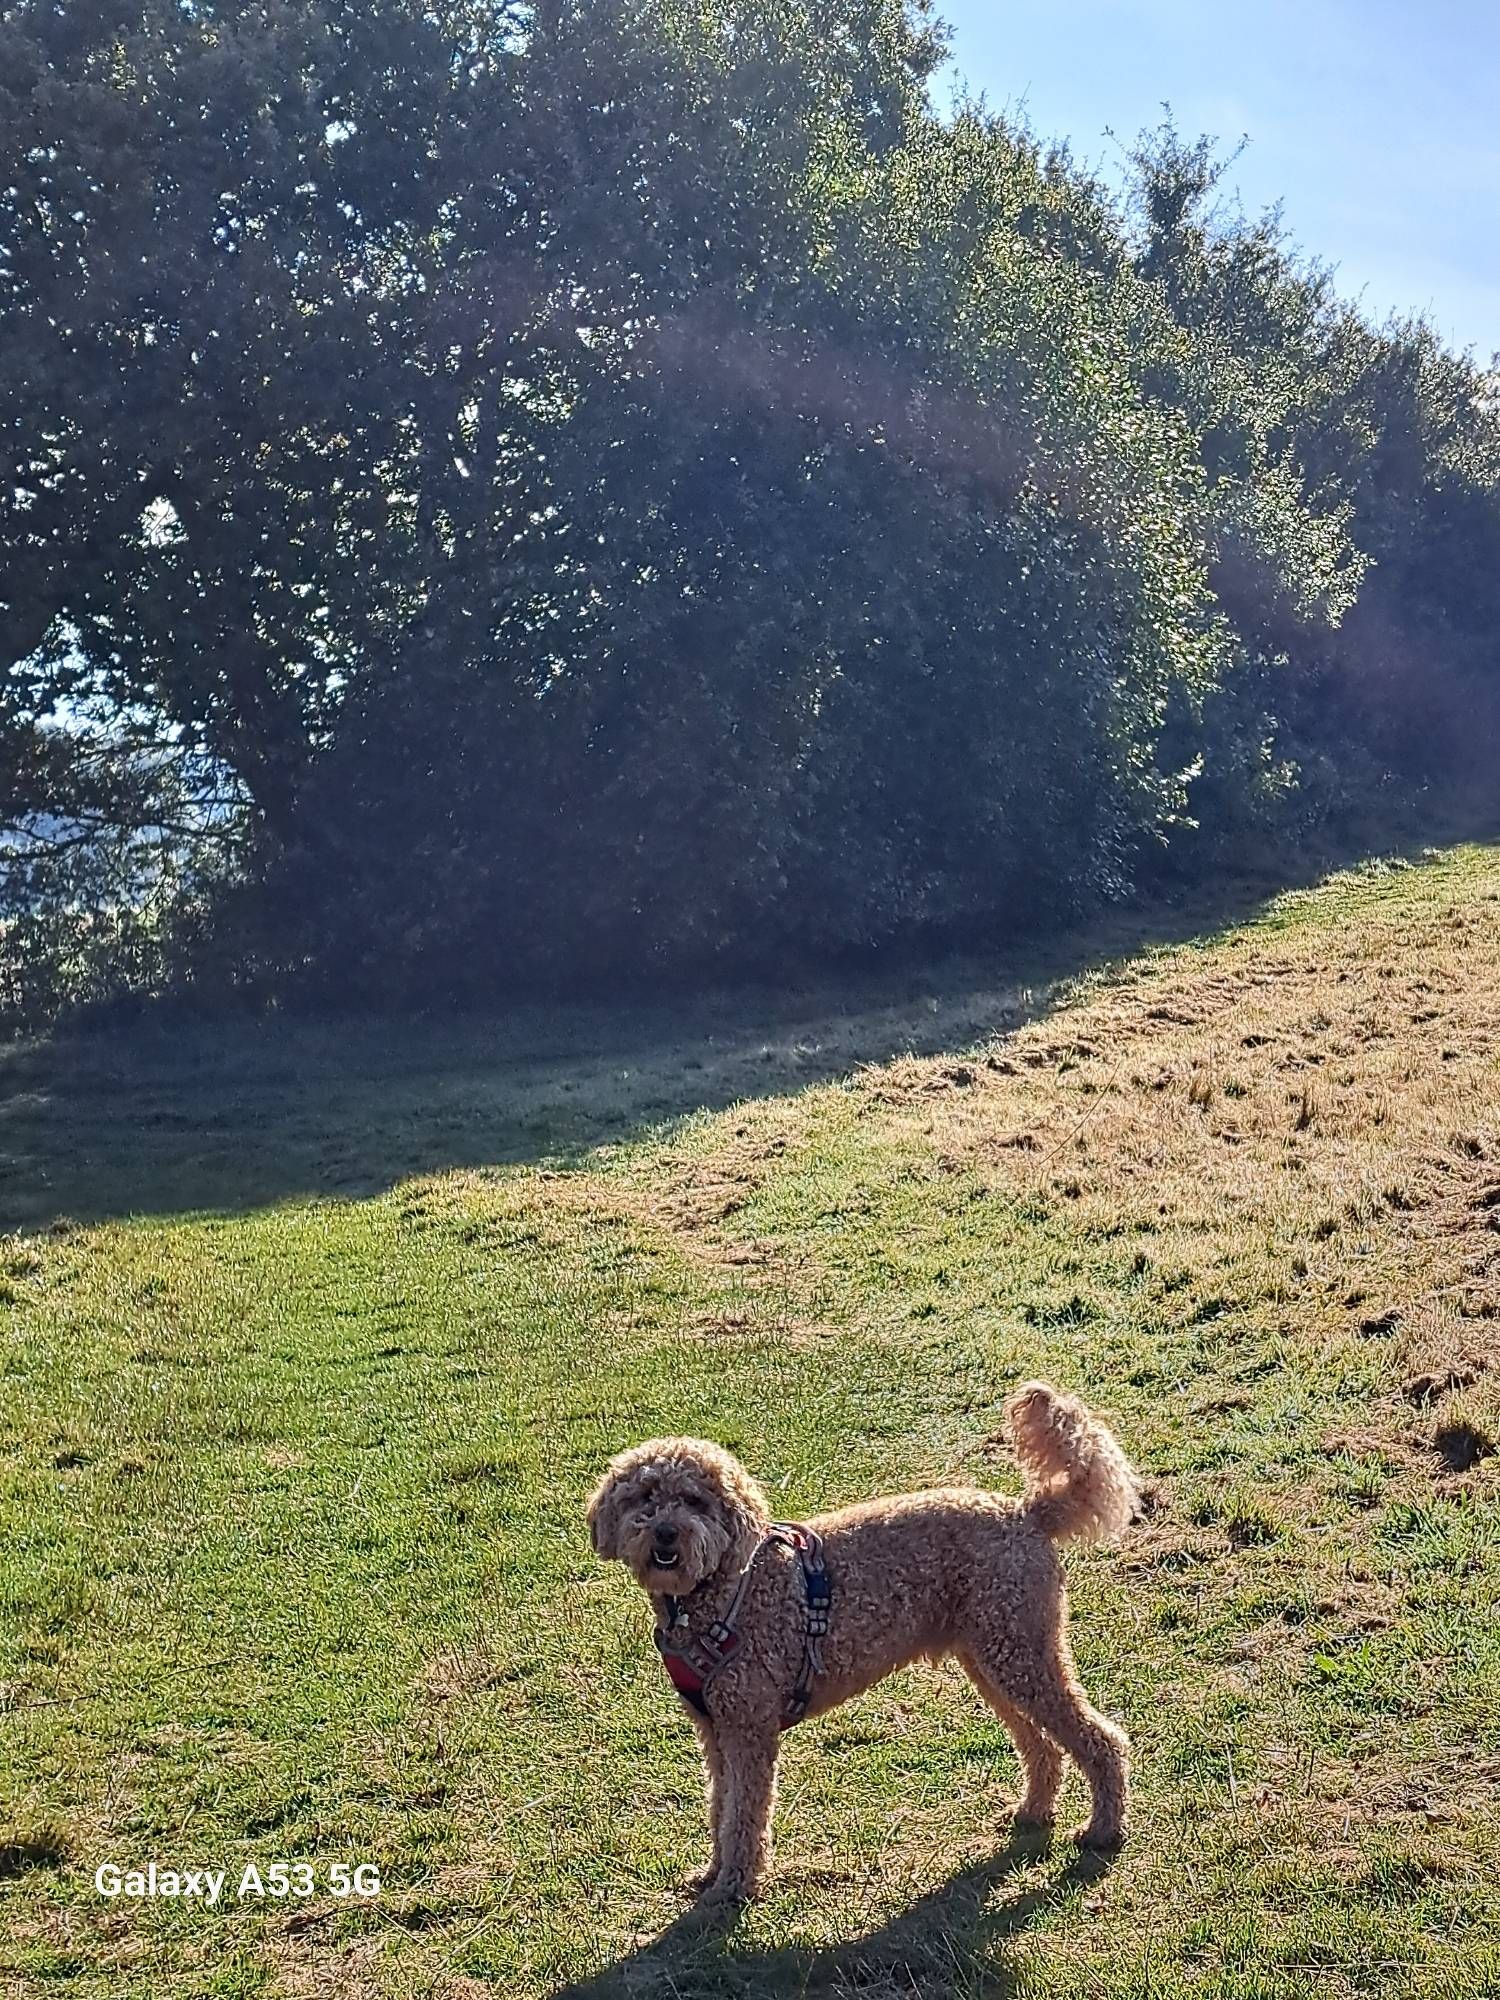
1080	1486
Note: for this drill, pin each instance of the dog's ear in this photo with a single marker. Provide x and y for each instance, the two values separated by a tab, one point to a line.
742	1498
604	1518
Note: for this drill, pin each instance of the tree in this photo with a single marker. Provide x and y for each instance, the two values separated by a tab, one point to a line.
610	490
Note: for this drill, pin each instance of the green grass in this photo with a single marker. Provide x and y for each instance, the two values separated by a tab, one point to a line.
299	1411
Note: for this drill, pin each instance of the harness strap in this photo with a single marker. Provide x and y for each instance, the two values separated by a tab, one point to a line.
817	1595
693	1658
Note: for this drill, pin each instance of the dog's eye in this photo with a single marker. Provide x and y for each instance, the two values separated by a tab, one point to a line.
698	1504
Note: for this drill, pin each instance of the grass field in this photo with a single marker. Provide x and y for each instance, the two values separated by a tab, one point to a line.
315	1338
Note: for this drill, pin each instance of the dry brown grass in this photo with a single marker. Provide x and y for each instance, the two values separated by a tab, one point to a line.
1335	1110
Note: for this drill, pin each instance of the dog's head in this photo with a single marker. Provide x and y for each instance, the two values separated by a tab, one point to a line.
674	1511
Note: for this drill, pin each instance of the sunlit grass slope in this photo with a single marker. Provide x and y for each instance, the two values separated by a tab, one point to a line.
298	1411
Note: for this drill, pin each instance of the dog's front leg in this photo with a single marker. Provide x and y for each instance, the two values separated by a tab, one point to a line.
714	1784
747	1793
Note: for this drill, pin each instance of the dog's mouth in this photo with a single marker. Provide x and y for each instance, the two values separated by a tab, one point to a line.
662	1561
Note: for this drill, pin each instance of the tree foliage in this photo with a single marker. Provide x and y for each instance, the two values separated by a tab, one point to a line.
605	490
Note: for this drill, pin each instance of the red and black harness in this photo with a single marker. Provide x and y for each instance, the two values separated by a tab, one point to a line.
692	1659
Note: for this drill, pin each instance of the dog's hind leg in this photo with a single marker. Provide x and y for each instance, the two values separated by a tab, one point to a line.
1041	1760
1044	1687
1099	1748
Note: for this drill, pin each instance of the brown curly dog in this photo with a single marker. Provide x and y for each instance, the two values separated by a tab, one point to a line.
954	1571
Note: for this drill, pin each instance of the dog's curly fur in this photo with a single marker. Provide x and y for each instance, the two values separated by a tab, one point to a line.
955	1571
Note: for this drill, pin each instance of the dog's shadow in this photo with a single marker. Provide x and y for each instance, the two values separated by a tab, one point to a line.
950	1941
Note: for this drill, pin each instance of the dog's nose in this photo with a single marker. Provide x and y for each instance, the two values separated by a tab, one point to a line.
663	1535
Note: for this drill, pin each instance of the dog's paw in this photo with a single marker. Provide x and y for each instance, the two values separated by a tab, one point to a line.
1024	1822
1100	1839
724	1893
703	1881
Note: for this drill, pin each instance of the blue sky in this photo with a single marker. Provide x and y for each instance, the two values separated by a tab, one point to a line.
1376	123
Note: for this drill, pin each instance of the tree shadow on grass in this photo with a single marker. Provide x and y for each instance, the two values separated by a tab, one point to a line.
949	1943
228	1115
